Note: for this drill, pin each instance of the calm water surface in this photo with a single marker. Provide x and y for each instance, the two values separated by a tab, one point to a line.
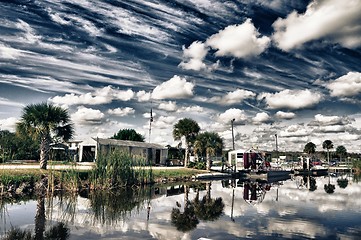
297	208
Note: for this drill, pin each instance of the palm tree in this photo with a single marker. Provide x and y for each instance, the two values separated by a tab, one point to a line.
341	151
209	143
310	148
44	122
208	209
327	144
189	129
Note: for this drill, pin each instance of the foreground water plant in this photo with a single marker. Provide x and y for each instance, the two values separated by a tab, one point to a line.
118	169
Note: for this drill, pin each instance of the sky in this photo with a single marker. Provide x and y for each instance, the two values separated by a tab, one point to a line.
284	67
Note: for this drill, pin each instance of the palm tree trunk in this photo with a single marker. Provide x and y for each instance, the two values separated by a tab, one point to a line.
208	167
40	218
44	151
328	157
186	155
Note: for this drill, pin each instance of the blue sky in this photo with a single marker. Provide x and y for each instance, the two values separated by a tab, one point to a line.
290	68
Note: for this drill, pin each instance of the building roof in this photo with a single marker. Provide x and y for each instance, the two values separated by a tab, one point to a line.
126	143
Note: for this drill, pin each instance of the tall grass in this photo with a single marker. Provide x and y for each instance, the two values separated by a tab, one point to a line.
118	169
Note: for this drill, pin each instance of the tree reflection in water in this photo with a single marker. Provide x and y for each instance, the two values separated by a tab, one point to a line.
111	207
342	183
207	209
329	188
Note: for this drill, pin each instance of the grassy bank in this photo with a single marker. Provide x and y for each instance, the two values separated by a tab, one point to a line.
27	181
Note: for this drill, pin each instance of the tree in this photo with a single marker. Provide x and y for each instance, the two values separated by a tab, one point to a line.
327	144
13	146
45	122
187	128
341	151
209	143
208	209
128	134
310	148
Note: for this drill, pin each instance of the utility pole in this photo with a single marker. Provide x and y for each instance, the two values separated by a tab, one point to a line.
232	121
277	149
150	123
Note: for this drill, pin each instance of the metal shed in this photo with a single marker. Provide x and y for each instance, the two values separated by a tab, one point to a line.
154	153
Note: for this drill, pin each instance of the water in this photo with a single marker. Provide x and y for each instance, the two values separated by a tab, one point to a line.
297	208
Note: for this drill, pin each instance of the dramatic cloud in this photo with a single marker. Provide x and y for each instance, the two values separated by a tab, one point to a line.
87	116
232	113
234	97
240	41
121	111
291	99
193	56
322	120
175	88
100	96
285	115
170	106
261	118
346	86
339	21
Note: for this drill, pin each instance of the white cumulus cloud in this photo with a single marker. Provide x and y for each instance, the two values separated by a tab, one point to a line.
233	113
100	96
8	124
322	120
193	56
338	21
175	88
121	111
240	41
291	99
285	115
169	106
236	96
346	86
87	116
296	131
197	109
261	118
143	96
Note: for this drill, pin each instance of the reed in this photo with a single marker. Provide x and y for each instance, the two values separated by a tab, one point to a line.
118	169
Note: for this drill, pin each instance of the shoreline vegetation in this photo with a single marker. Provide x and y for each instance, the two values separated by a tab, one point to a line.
112	171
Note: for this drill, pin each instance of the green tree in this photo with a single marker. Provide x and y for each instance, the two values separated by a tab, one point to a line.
45	122
209	143
189	129
310	148
17	147
341	151
327	144
128	134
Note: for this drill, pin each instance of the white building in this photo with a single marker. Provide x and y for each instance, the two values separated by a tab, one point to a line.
153	153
